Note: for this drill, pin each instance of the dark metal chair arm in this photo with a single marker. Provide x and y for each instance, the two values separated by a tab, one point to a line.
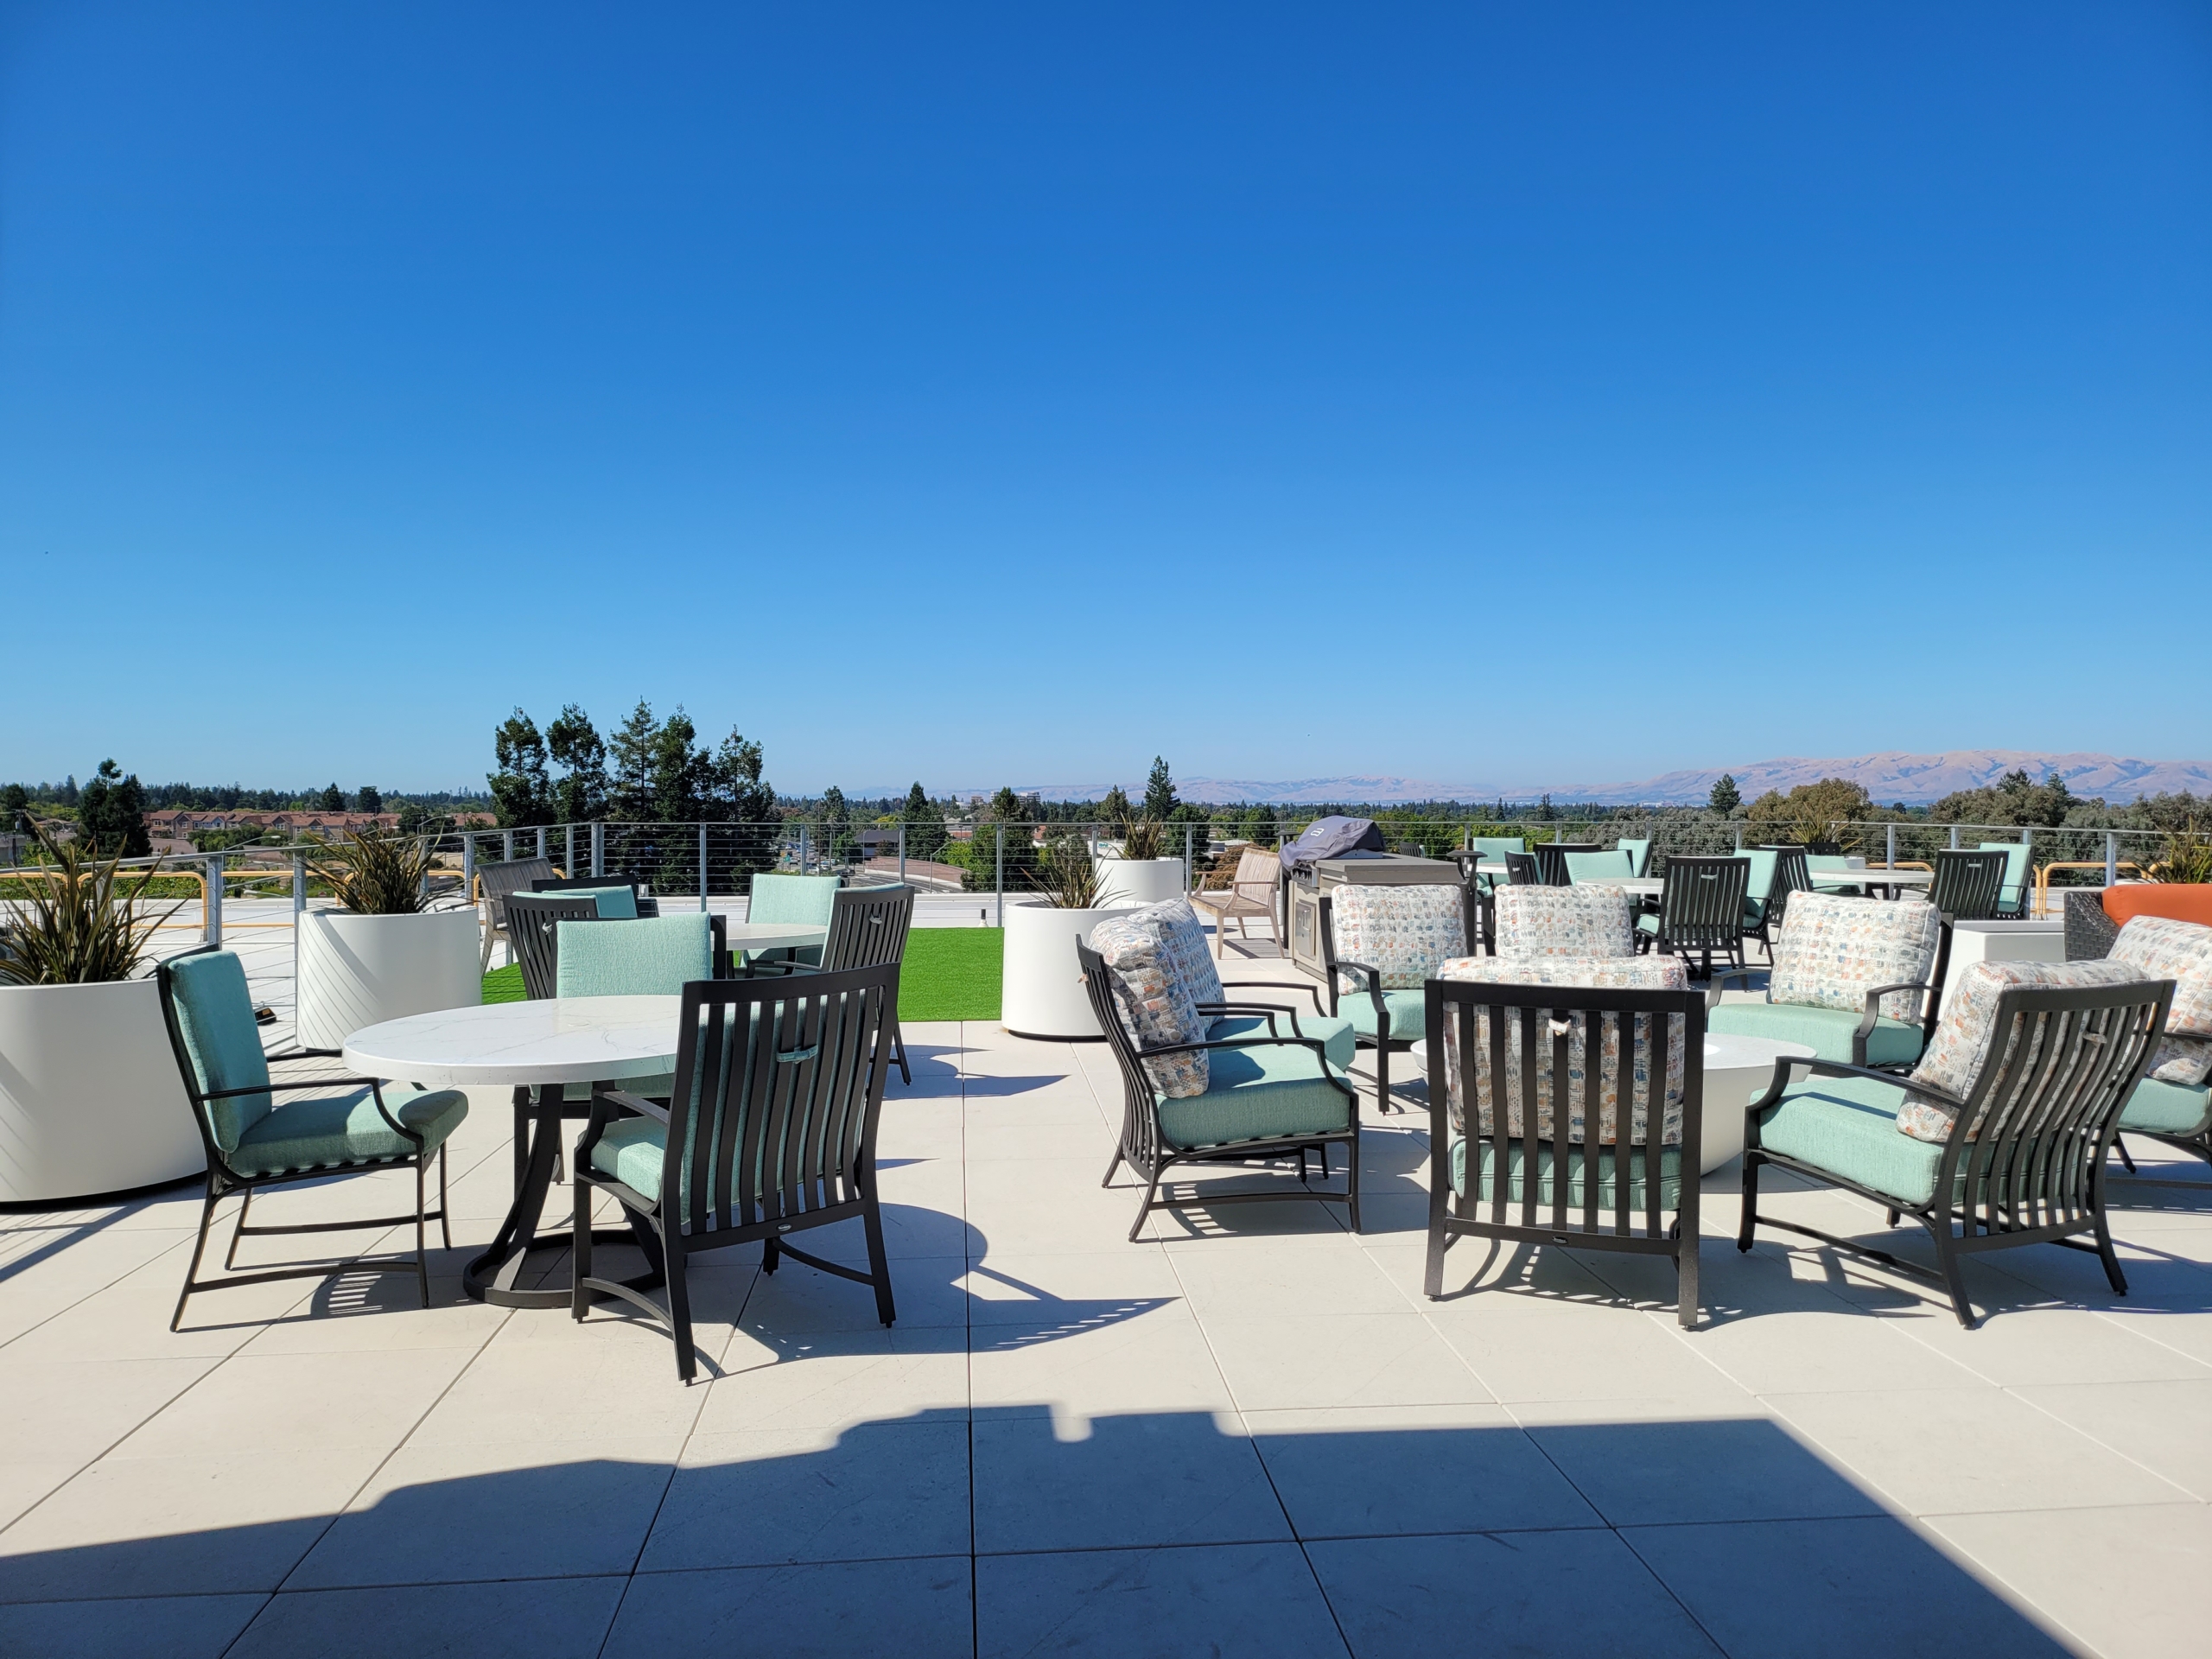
1313	1043
1260	1008
1837	1068
1307	986
271	1086
1713	990
306	1054
1874	1002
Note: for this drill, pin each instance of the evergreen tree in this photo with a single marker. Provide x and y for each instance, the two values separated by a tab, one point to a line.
521	794
332	800
369	799
1159	800
836	821
13	801
580	794
1726	797
1114	811
112	814
926	832
67	795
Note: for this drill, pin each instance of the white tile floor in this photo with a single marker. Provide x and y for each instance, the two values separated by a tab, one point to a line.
1248	1433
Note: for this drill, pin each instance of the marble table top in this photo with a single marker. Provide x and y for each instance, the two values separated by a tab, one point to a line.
772	936
1873	878
556	1039
1647	885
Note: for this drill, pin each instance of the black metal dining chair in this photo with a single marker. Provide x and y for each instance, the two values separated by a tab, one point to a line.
1967	884
1701	910
1551	861
867	929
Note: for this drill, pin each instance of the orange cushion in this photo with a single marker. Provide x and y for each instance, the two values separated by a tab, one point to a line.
2183	902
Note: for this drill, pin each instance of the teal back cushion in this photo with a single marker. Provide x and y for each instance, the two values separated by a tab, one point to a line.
1639	853
1496	847
1761	882
1588	867
655	957
1826	862
214	1014
2016	867
806	899
615	904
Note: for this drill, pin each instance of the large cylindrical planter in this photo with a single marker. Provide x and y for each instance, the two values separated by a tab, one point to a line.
1140	880
1041	992
91	1100
361	970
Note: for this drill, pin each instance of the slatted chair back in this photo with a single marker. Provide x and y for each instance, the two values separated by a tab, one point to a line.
495	882
2012	896
1567	1111
1521	870
641	894
533	928
779	1088
1551	860
1701	906
1792	875
1968	886
868	928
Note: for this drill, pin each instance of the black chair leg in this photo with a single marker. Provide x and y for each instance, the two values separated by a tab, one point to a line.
1946	1259
1383	1075
770	1256
580	1253
2125	1162
1431	1283
679	1316
1115	1164
421	1241
2110	1257
199	1247
445	1207
898	1053
878	1262
1750	1219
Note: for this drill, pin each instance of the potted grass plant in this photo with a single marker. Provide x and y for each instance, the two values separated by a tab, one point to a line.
1142	872
381	953
90	1098
1041	992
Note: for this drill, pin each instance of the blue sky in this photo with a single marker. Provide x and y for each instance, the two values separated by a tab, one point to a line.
1544	393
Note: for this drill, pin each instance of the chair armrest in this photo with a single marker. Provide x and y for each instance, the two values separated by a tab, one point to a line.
1837	1068
1313	1043
273	1085
1713	990
1374	978
637	1104
1260	1008
307	1054
1307	986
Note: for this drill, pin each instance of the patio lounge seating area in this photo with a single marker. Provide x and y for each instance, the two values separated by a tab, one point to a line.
1247	1428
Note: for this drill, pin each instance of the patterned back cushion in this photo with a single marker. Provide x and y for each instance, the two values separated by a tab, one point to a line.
1154	1003
1404	933
1833	951
1653	973
1184	943
2181	951
1563	922
1961	1046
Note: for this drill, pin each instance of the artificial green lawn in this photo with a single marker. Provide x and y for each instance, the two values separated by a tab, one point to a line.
951	973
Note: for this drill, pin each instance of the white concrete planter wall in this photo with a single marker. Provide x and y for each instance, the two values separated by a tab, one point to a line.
1140	880
361	970
90	1097
2040	940
1041	991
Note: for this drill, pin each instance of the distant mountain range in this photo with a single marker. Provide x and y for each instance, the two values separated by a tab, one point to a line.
1915	780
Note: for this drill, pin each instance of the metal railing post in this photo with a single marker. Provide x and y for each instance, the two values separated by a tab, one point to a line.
1954	837
299	911
805	850
1892	854
211	920
2112	858
541	841
468	865
703	867
902	852
507	845
1002	919
568	858
599	847
1189	832
1739	841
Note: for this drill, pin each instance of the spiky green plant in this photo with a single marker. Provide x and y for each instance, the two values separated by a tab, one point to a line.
1145	838
1066	876
75	923
2186	856
378	874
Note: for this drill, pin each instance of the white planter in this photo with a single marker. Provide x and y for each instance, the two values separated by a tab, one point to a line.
1041	989
2040	940
90	1097
1140	880
362	970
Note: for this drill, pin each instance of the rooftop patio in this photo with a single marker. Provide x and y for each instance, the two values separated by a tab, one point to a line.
1250	1433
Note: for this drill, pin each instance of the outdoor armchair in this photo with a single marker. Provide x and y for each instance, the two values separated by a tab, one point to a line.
1764	893
1379	944
2019	879
1999	1136
1250	892
1551	859
1236	1084
770	1130
532	919
1829	873
610	889
1588	921
2173	1103
325	1126
806	901
1566	1099
867	929
1856	982
1639	852
1521	870
1701	910
1616	866
493	884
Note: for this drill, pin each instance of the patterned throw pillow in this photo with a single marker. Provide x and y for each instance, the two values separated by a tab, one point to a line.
1630	973
1404	933
1184	943
1833	951
1961	1046
2181	951
1155	1004
1563	922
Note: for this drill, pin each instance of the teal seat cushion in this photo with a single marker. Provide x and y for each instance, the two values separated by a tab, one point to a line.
631	1150
1335	1033
655	957
1670	1174
2158	1108
654	1088
1255	1094
323	1131
616	904
1648	922
1848	1126
1827	1032
214	1015
1406	1011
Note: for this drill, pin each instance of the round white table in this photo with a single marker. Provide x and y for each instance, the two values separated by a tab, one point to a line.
1736	1073
1636	887
1825	881
772	936
537	1046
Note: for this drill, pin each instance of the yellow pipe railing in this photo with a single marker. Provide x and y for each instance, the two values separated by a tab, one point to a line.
2043	876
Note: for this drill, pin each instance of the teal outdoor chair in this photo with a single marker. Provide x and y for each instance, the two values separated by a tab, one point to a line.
1759	894
769	1131
1379	944
1639	854
1856	980
867	929
1598	867
1824	871
2173	1103
325	1126
620	900
1999	1137
1494	849
806	901
2020	877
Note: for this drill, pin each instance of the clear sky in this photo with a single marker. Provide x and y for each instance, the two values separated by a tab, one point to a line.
1009	393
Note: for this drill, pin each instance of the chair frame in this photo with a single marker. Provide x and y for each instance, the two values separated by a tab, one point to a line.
1792	875
1694	917
1606	1013
1471	917
1236	902
1931	991
1521	871
1551	860
833	1031
223	1180
1967	884
853	912
535	940
493	891
648	906
1143	1146
2035	1173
